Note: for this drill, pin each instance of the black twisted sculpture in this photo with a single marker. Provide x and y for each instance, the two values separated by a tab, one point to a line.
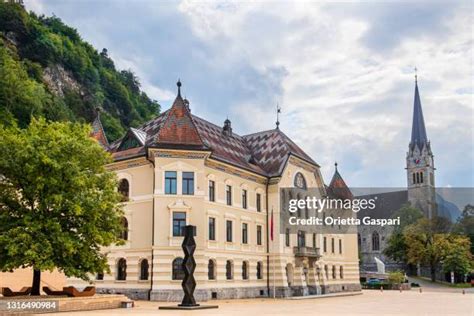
189	265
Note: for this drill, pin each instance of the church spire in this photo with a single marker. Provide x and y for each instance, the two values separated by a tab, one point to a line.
418	130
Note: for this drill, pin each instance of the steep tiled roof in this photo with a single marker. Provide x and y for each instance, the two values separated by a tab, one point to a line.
98	132
264	153
178	128
272	148
338	187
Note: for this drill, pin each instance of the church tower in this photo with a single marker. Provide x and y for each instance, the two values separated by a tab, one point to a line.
420	163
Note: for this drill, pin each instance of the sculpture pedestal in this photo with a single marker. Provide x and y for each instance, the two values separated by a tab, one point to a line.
195	307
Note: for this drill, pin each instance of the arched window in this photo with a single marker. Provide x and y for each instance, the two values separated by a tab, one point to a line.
124	232
124	189
341	272
300	181
211	270
229	273
326	271
375	241
99	276
177	266
417	177
121	269
333	272
414	180
259	270
245	270
144	269
421	177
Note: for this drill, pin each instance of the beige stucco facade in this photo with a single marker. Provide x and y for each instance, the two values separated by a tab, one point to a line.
149	213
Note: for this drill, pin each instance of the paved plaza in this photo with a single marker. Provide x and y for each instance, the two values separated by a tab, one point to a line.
430	302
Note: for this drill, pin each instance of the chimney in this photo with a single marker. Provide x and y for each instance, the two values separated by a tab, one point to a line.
227	129
186	104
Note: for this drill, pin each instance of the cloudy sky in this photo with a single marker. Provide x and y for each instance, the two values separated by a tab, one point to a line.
343	73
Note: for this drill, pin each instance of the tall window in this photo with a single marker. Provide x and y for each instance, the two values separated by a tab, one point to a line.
333	272
121	269
228	231
325	249
144	269
421	177
259	270
211	270
326	271
170	182
228	194
414	180
124	232
124	190
188	183
314	240
259	235
287	237
177	269
259	202
244	198
212	191
341	272
245	270
301	238
375	241
245	233
340	246
212	228
229	273
359	241
179	221
332	245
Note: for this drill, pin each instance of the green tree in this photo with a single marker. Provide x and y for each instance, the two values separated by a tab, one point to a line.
58	203
457	256
465	224
396	246
427	243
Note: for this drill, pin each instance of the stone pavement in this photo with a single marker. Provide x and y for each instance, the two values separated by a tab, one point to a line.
372	302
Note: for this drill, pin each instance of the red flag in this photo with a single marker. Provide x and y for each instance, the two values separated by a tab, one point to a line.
271	226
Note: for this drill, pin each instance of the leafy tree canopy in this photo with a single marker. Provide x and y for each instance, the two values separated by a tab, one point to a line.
29	44
58	203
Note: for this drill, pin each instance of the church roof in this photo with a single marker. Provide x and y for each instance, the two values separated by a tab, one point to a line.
264	153
418	131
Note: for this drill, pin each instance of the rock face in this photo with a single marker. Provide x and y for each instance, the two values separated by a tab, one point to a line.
60	80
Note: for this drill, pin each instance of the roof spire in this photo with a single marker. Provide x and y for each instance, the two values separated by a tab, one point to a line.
335	165
278	116
418	130
416	75
179	87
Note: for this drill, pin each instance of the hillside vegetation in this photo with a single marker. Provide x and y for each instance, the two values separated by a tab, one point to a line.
47	69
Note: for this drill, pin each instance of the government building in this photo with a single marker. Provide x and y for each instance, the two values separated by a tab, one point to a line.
179	169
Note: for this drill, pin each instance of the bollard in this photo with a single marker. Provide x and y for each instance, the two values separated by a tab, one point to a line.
421	291
381	289
463	292
400	289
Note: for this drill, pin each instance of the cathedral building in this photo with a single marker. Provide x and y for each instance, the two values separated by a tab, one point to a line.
179	169
420	193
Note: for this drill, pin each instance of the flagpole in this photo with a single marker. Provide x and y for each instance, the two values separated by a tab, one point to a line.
274	264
